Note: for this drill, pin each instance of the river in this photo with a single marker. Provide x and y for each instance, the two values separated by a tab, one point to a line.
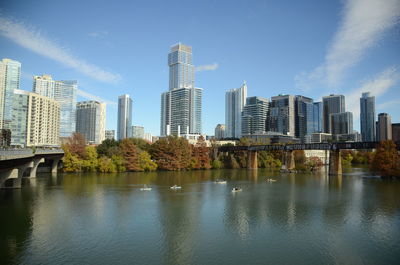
106	219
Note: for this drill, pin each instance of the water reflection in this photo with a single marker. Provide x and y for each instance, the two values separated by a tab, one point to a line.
105	218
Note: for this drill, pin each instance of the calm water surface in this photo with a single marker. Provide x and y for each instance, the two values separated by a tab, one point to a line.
106	219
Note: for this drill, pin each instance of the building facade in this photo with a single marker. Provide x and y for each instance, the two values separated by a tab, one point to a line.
91	121
110	134
235	100
332	104
384	127
341	123
396	132
124	128
318	117
281	118
181	106
10	75
138	131
36	119
64	92
367	117
304	117
254	115
219	132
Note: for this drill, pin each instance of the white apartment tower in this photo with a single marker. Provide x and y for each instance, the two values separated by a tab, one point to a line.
91	121
235	100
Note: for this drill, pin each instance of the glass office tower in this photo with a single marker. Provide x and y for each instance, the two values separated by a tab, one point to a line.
367	117
124	129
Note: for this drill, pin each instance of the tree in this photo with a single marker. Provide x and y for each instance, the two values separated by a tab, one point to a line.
71	163
141	143
216	164
119	163
106	165
145	162
201	155
108	147
387	160
314	163
90	163
172	153
130	153
266	160
76	145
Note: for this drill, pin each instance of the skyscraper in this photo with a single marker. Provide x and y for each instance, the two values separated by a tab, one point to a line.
219	132
235	100
342	123
304	117
137	131
254	115
332	104
10	74
281	116
63	92
181	106
124	129
384	127
91	121
318	117
110	134
367	117
36	120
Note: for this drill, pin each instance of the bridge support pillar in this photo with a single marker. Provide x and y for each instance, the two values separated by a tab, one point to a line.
35	165
288	161
8	177
54	165
252	160
335	162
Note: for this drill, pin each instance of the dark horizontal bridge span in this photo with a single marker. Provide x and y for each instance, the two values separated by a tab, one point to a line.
312	146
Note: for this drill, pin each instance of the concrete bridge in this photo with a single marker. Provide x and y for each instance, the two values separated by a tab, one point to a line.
18	163
335	161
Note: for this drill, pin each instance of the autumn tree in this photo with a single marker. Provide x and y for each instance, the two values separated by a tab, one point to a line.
387	159
172	153
129	152
145	162
201	155
76	144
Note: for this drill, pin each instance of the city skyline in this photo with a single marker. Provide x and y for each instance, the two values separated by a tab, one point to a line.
273	66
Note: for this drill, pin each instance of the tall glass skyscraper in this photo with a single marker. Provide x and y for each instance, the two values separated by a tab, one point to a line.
304	117
318	117
281	117
367	117
10	74
235	100
63	92
254	115
124	129
332	104
181	106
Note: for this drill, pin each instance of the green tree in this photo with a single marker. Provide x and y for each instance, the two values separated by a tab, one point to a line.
90	163
216	164
108	147
71	163
145	162
106	165
118	162
141	143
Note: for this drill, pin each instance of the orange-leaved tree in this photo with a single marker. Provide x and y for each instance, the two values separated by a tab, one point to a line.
201	155
172	153
130	153
387	160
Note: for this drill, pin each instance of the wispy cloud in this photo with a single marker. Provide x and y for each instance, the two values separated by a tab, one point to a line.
388	104
362	26
98	34
377	85
32	39
87	95
207	67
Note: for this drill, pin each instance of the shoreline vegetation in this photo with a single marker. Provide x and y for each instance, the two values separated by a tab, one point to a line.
174	154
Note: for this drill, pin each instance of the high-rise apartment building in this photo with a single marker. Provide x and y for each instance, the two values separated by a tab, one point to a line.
138	131
281	118
91	121
396	132
304	117
64	92
10	74
384	127
219	132
318	117
124	129
341	123
36	120
181	106
110	134
235	100
367	117
254	115
332	104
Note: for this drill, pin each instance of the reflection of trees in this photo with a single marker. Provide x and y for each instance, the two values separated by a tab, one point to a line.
15	223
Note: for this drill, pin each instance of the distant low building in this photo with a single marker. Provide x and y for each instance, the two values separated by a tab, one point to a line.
320	137
349	137
219	132
110	134
271	138
321	154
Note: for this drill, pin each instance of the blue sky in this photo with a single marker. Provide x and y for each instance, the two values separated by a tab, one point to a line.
312	48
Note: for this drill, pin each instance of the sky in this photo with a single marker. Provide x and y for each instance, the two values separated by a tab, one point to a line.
312	48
